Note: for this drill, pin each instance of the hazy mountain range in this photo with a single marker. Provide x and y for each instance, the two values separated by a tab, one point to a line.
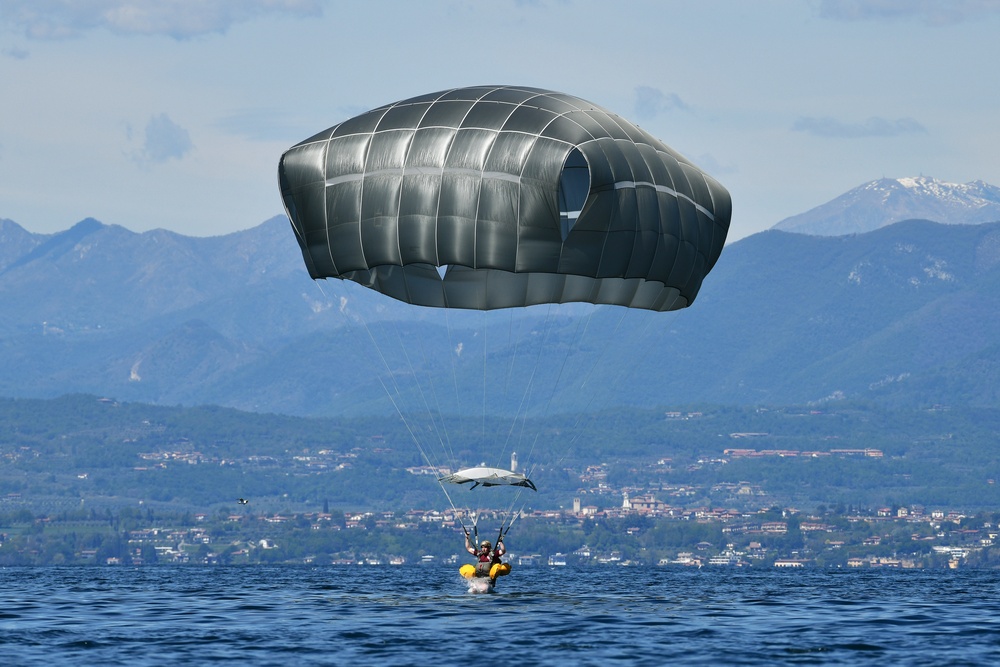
887	200
908	314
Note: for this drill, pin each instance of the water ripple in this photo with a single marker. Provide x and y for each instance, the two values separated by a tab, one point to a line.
411	615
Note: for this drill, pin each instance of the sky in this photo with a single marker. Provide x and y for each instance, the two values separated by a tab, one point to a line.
173	113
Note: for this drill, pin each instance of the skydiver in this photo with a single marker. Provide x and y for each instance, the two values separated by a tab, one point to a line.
486	553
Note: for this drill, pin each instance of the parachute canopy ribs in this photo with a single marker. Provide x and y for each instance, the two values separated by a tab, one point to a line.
526	196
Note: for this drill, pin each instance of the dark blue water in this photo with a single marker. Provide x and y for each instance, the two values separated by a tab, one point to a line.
539	616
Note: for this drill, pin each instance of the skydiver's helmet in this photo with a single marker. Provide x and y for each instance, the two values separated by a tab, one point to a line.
485	544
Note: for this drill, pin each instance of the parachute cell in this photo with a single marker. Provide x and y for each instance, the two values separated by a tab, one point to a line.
502	196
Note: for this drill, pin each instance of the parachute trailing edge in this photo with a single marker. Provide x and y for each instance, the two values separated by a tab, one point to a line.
504	196
485	476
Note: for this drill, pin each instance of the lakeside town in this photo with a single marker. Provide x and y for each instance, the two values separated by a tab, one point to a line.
642	531
143	486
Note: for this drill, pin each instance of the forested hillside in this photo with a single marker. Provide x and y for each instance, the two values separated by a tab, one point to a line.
84	450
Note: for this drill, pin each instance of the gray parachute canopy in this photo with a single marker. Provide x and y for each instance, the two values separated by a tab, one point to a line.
503	196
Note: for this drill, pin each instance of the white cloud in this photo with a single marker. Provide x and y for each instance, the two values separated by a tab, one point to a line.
180	19
16	53
164	140
707	163
650	102
931	12
264	124
873	127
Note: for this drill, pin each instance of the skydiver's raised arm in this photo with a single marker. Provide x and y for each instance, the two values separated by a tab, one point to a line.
468	544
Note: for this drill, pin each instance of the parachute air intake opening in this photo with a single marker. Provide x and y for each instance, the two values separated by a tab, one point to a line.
574	185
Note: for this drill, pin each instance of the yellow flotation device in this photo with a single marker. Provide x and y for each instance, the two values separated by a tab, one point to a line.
484	570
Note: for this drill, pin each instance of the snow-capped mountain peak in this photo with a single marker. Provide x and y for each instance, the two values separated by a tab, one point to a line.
887	200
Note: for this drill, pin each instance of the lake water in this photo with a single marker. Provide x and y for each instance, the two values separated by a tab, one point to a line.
364	615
